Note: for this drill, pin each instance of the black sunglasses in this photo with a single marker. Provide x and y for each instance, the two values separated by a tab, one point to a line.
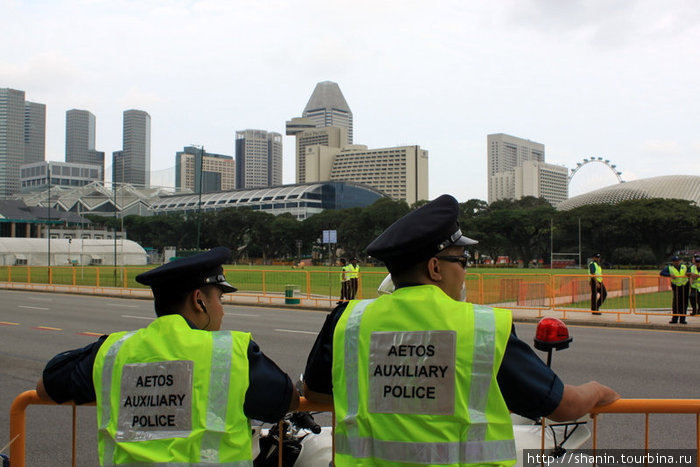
462	260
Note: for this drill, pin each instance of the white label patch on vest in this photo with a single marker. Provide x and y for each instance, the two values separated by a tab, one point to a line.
155	401
412	372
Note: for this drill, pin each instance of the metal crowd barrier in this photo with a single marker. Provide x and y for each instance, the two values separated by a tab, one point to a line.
621	406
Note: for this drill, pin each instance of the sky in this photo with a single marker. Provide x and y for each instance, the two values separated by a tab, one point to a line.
616	79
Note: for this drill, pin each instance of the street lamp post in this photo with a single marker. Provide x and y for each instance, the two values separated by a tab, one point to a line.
199	204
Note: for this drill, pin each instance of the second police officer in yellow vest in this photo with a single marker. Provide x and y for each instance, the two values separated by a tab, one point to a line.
422	377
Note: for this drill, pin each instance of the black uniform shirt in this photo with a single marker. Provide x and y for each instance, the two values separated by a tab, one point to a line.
68	376
529	387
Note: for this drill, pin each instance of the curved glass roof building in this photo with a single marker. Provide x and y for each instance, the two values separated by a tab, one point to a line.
301	201
668	186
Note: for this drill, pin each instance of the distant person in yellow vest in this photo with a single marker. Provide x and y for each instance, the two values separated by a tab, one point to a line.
598	292
679	289
345	283
421	377
694	275
179	391
354	277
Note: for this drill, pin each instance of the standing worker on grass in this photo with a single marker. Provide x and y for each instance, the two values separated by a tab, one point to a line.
679	288
180	391
354	277
423	377
344	281
694	275
598	292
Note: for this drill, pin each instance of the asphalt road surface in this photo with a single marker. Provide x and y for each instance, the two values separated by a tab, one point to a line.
36	326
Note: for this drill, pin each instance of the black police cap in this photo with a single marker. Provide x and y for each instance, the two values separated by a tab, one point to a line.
190	273
420	234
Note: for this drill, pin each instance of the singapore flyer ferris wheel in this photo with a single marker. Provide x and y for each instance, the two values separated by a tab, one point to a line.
597	160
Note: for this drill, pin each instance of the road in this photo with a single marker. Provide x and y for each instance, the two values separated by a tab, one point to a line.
36	326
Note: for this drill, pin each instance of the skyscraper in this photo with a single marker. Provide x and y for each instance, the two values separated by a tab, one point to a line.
258	159
11	140
34	132
80	139
133	163
503	154
326	108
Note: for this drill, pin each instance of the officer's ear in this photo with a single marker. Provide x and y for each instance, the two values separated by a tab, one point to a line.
433	269
194	300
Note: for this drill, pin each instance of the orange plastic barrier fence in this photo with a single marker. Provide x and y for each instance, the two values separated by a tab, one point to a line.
647	407
18	427
630	297
626	406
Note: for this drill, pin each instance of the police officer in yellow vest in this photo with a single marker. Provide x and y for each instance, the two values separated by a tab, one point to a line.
695	286
180	391
679	289
417	377
354	275
598	291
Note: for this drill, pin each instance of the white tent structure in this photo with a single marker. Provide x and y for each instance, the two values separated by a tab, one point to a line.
64	252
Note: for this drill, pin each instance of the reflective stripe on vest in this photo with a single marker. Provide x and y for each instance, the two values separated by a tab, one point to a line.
678	277
598	272
213	435
475	448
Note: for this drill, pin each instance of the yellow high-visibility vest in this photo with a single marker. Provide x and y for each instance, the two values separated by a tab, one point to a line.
678	277
414	381
695	283
172	395
598	271
354	271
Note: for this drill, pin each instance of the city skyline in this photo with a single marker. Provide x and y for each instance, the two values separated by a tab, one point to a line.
607	79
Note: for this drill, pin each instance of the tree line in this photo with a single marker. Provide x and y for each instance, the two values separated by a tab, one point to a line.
635	232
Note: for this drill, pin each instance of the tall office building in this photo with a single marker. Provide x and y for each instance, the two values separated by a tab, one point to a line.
11	140
542	180
133	163
399	172
258	159
80	139
326	108
34	132
504	154
216	172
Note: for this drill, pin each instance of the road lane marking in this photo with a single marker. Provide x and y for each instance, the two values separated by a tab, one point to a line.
46	328
242	314
39	299
6	323
138	317
88	333
32	307
295	331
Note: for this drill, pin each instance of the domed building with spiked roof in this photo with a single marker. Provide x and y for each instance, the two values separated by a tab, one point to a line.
685	187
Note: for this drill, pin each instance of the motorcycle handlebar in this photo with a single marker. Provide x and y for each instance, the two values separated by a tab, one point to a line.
306	421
